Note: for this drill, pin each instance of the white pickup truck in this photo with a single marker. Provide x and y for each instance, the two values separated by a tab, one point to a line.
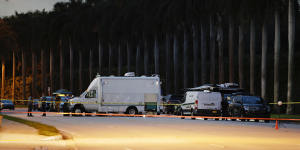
122	94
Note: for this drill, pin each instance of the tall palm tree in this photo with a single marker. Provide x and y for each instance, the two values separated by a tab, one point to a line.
128	57
252	56
203	54
185	58
119	59
264	60
276	56
212	49
167	64
241	55
61	65
221	50
175	61
195	54
291	38
156	55
137	60
231	49
14	76
71	65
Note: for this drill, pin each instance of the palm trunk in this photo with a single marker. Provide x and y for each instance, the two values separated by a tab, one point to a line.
231	50
23	75
14	77
167	65
137	60
128	57
156	56
241	56
80	71
119	60
146	58
195	55
71	66
252	56
100	53
61	66
42	73
3	78
212	51
291	38
203	55
221	52
33	86
51	72
110	59
264	61
91	65
185	59
276	56
175	63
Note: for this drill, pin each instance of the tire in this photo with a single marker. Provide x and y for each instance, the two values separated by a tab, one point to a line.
131	111
77	110
192	114
181	114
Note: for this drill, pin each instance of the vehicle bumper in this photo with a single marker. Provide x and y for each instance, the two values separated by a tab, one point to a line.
207	112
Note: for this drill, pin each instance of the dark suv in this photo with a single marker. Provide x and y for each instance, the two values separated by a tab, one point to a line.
171	103
248	106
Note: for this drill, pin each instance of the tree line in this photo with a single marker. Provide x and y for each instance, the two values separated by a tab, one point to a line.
187	42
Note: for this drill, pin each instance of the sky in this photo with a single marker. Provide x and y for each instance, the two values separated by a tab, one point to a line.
8	7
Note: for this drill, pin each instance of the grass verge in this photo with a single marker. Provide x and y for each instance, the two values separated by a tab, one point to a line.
284	116
43	129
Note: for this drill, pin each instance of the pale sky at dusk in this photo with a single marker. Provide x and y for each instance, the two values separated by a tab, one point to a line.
8	7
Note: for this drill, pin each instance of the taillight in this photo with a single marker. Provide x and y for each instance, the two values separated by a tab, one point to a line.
196	104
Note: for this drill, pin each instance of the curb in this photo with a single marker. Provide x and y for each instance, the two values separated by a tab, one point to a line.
65	135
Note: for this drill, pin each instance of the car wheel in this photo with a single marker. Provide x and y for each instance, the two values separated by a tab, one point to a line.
182	114
192	115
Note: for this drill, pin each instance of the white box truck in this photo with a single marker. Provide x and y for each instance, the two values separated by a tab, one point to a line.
202	103
123	94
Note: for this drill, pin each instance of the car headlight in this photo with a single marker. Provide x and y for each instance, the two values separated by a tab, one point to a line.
246	108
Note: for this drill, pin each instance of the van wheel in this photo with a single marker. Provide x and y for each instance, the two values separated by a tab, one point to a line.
131	111
77	110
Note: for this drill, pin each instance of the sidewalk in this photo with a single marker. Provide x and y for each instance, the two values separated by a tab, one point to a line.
15	135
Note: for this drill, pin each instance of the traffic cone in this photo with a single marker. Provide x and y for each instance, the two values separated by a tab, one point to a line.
276	125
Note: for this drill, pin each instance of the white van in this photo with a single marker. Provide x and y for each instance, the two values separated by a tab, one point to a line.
123	94
202	103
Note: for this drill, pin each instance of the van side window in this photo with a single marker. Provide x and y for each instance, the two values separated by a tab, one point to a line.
91	94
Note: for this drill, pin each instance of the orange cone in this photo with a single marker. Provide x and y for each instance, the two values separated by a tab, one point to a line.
276	125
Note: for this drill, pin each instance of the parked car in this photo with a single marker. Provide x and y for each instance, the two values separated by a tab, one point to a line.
49	103
7	104
35	103
248	106
171	103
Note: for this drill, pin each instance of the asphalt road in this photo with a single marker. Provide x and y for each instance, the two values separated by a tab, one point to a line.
143	133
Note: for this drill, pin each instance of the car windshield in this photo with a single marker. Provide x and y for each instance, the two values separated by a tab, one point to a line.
252	100
6	101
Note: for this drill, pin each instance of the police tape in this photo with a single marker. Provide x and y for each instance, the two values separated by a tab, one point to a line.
153	116
103	103
136	104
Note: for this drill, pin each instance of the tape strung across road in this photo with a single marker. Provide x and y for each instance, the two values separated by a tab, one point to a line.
53	101
155	116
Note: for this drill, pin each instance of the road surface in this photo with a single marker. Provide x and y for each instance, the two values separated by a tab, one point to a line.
143	133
